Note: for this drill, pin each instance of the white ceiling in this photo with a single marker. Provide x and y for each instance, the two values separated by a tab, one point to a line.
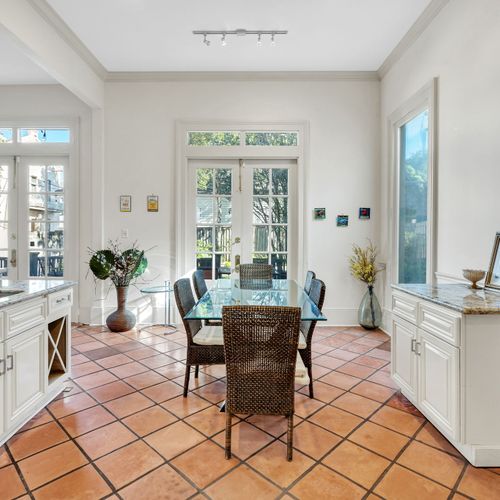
324	35
15	67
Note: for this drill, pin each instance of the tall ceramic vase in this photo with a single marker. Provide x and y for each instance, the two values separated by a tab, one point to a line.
122	319
370	314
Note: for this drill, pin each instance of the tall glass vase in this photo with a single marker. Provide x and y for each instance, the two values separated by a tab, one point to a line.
370	314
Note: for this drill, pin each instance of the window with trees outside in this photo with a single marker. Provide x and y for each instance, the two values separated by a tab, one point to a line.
413	199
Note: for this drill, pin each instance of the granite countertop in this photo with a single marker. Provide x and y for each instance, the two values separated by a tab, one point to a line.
459	297
30	289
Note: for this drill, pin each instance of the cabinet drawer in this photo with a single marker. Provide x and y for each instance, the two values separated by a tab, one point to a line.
405	306
441	322
25	316
60	300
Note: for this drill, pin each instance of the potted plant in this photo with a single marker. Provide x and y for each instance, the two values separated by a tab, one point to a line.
122	268
363	267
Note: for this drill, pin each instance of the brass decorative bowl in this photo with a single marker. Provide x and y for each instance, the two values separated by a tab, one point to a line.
473	275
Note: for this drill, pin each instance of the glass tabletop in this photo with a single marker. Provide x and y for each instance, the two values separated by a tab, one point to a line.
157	289
227	292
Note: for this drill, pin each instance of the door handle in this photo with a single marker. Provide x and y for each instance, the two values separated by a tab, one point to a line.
10	362
237	260
13	258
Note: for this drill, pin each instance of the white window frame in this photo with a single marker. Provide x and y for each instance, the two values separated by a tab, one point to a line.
72	175
185	153
424	99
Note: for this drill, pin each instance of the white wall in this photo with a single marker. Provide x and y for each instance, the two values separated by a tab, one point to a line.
461	47
343	163
54	101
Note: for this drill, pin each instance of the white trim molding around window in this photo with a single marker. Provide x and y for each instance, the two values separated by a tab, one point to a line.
413	154
247	143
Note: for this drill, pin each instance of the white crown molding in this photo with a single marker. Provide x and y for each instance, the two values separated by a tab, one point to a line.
418	27
214	76
65	32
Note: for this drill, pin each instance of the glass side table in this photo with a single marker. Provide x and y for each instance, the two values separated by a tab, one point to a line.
166	289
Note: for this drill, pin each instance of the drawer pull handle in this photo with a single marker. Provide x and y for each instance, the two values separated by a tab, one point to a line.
62	299
10	362
2	365
413	342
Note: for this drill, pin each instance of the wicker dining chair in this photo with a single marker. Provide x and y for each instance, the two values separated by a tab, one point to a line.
256	276
200	289
307	284
204	343
317	295
260	345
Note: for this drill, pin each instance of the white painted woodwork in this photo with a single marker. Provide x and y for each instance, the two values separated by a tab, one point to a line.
404	366
27	354
438	382
25	376
446	364
24	316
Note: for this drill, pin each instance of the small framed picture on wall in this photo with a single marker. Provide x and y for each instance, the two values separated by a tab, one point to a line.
319	213
152	203
125	203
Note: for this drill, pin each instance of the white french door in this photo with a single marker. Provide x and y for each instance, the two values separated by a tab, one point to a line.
32	217
242	211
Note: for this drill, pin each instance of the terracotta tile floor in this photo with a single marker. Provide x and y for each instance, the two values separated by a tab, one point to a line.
123	430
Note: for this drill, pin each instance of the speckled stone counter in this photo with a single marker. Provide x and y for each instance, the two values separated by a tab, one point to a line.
30	289
459	297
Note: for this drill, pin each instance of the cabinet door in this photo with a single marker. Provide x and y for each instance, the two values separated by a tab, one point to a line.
404	361
439	382
2	384
25	376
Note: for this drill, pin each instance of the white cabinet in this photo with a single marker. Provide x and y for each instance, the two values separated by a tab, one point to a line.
447	363
404	360
3	368
35	357
438	382
25	373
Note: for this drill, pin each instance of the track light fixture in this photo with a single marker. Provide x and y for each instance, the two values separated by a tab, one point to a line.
239	32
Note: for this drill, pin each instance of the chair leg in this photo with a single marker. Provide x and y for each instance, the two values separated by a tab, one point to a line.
228	435
289	449
196	371
186	380
310	373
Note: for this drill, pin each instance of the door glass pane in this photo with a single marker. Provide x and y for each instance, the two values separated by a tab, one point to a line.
260	238
279	263
46	220
413	165
260	210
204	210
213	219
223	210
280	210
4	222
261	181
279	239
205	181
36	178
4	178
5	135
4	236
280	181
223	181
260	258
4	259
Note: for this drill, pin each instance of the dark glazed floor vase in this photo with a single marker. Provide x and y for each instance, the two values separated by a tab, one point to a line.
122	319
370	314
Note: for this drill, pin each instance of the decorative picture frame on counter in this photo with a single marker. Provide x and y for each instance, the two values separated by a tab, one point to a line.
125	203
493	275
152	203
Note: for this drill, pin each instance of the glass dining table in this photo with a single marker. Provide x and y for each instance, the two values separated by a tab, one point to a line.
226	292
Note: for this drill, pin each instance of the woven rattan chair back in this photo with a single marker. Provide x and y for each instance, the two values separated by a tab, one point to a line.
307	284
185	302
317	295
256	276
196	355
260	346
199	284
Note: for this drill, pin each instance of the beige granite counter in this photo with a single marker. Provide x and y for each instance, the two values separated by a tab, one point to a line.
29	289
459	297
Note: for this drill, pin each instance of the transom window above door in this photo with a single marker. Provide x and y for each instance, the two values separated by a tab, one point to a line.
240	138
